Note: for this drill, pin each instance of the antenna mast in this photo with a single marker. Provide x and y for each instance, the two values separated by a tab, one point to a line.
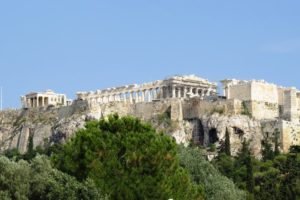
1	99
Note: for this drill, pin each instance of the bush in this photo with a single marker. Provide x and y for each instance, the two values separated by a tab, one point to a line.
38	180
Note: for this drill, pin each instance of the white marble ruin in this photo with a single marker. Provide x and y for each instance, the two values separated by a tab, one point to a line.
44	99
173	87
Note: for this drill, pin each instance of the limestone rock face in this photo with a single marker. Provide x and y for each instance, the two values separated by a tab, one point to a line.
212	129
240	127
39	127
65	128
184	133
43	127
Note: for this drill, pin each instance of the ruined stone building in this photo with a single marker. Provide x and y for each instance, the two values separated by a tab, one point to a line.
194	99
276	106
44	99
187	108
266	101
173	87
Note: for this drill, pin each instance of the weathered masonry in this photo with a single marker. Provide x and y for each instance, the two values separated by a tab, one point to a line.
174	87
44	99
265	100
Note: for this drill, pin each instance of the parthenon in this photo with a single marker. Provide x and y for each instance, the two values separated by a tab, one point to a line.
174	87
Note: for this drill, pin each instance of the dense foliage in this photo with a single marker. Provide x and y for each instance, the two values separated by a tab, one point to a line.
124	158
38	180
127	159
217	187
276	176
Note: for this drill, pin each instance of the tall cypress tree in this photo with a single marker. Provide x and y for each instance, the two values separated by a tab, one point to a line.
227	143
266	150
250	178
276	142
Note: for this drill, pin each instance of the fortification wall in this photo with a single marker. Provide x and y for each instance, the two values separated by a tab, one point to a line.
263	110
195	108
290	105
241	92
290	134
264	92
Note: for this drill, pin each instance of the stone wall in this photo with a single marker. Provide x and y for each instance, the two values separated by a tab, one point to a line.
264	92
263	110
290	107
241	92
290	134
195	108
187	119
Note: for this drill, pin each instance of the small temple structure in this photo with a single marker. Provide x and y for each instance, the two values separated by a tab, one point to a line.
44	99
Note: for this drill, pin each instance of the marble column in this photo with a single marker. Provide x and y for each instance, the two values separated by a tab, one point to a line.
179	92
143	96
130	97
156	93
125	97
149	95
208	92
191	90
162	92
136	97
37	101
169	90
184	92
174	92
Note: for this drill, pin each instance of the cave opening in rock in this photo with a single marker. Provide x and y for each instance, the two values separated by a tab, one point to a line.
238	132
197	131
213	136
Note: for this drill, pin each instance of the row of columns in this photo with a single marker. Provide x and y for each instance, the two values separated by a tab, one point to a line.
149	95
39	101
131	96
182	92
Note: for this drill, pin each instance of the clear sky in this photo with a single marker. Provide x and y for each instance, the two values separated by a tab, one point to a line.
75	45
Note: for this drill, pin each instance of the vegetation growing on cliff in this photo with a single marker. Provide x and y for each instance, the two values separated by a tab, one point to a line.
276	176
124	158
128	160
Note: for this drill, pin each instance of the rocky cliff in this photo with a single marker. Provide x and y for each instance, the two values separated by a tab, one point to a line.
55	125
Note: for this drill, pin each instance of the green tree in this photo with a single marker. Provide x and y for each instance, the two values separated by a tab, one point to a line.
225	164
227	149
243	173
295	149
217	186
127	159
267	181
266	150
249	175
276	142
14	181
38	180
290	187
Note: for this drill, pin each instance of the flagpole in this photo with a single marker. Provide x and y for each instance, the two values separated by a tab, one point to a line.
1	99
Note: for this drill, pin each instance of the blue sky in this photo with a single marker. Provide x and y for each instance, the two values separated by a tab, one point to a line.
73	45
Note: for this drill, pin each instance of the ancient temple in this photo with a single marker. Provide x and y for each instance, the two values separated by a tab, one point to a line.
174	87
44	99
